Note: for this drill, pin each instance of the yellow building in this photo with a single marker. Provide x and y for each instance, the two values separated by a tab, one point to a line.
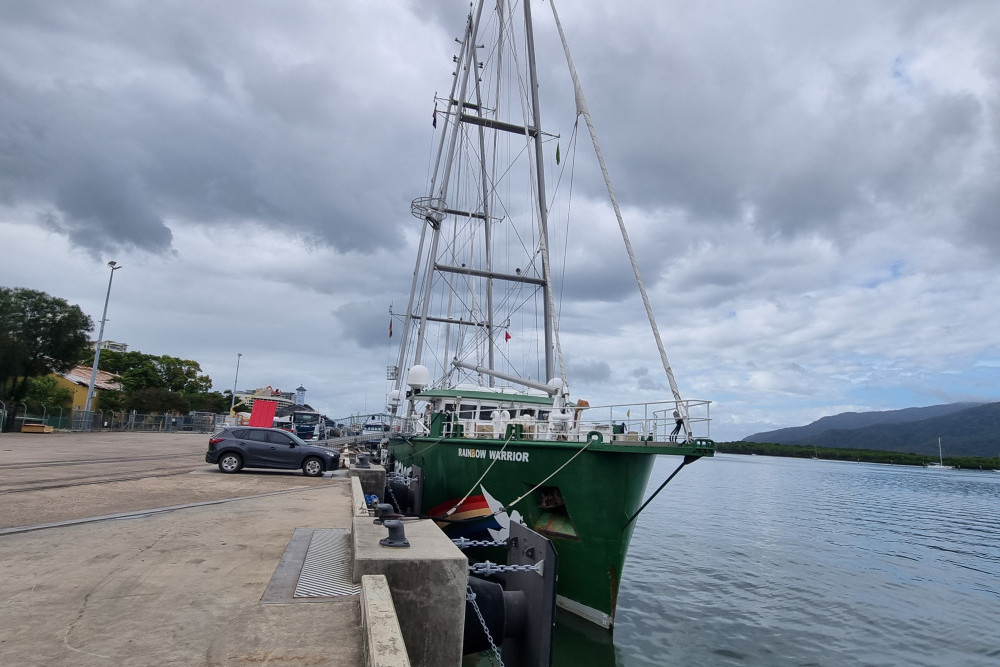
77	379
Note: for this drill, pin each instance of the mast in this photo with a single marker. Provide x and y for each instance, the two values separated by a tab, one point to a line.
432	219
465	61
543	216
485	210
468	106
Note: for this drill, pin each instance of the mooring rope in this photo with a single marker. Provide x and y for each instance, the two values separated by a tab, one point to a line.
688	458
554	473
483	476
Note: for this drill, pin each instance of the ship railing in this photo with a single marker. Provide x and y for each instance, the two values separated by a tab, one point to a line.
646	422
617	424
407	426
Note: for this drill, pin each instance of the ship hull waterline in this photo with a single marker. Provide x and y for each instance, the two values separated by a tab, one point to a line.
584	508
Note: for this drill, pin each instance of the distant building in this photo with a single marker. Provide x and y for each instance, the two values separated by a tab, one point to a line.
112	345
77	380
248	396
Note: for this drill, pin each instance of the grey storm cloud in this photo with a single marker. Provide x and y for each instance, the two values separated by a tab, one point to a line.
119	119
238	117
588	371
791	126
365	323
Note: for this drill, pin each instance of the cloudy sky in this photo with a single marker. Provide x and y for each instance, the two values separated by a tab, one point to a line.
814	189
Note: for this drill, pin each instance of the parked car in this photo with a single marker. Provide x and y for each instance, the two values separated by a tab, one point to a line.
237	447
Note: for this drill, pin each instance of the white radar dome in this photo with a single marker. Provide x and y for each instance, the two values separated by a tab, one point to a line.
418	377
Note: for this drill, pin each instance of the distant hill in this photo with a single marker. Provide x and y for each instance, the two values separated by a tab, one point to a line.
965	429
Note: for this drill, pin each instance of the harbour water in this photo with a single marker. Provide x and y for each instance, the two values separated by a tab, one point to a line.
761	561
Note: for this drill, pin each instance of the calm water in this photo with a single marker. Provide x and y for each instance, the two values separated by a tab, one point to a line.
754	560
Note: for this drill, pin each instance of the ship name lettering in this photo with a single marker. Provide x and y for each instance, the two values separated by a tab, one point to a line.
467	453
519	457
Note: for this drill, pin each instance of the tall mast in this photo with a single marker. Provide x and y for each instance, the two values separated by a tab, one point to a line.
485	210
466	68
431	220
543	224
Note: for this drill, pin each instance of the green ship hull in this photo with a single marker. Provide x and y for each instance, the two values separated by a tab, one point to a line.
584	507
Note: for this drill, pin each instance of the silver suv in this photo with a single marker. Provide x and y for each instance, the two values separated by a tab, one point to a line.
238	447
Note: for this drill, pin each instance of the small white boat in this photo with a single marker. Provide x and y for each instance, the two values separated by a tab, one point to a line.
940	464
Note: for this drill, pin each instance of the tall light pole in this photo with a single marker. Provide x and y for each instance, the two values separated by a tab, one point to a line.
100	339
232	404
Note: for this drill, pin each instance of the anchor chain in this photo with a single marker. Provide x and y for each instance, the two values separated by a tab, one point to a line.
471	597
487	568
395	477
465	543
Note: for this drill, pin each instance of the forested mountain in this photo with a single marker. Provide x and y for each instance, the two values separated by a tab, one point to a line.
965	429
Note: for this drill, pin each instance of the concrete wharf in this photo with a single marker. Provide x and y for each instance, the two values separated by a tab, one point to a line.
127	549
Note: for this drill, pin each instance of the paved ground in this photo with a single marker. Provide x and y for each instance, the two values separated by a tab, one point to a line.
178	587
53	477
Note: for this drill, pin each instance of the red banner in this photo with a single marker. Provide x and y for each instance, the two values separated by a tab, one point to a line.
263	413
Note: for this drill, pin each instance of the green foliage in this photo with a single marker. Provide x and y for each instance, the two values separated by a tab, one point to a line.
39	334
148	371
842	454
211	401
156	400
45	390
182	376
143	376
159	383
111	399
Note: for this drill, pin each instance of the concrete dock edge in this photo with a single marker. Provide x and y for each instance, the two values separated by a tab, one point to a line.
360	507
382	636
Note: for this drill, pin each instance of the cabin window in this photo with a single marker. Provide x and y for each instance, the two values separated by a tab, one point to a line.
468	411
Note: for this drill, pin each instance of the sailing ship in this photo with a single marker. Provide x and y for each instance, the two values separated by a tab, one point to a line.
940	464
485	428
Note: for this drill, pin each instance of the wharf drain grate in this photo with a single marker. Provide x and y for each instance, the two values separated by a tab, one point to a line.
327	568
316	566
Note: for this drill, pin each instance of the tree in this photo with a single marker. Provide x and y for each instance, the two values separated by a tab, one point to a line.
182	376
46	391
111	399
39	334
209	402
159	383
147	371
156	400
143	376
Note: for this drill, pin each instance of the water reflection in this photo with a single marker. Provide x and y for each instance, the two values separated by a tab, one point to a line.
579	643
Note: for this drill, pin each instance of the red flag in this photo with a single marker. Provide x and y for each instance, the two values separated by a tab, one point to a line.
506	336
435	123
390	328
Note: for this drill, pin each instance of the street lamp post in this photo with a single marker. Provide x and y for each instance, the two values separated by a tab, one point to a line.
100	339
232	404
